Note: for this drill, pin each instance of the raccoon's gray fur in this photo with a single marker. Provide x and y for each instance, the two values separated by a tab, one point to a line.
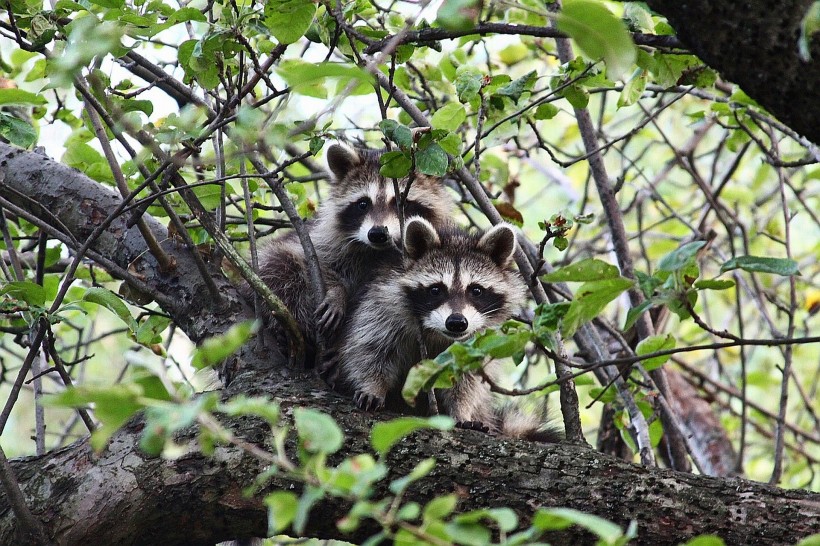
356	230
450	285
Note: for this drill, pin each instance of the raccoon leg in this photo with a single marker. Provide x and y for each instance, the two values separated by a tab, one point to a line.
469	402
368	402
372	376
473	425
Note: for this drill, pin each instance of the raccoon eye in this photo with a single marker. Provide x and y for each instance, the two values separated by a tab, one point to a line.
435	291
476	291
363	203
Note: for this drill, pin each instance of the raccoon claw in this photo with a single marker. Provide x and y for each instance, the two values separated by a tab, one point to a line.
473	425
328	370
368	402
328	319
329	314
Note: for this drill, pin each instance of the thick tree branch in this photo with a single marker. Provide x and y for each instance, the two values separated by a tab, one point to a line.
36	184
125	497
754	44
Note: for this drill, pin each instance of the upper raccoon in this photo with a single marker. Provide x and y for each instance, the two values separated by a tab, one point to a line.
356	229
450	285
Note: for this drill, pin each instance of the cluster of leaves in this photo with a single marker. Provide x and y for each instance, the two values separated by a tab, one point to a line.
503	97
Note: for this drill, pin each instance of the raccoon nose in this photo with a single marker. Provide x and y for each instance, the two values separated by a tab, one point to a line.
378	235
456	323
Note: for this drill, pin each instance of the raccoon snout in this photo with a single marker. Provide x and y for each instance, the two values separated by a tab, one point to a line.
378	235
456	323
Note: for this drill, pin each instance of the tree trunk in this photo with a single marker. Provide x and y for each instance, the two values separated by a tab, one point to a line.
124	497
754	44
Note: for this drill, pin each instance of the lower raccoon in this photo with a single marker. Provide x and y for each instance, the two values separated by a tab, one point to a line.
356	230
449	285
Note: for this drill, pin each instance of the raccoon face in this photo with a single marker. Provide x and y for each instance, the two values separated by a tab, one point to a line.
458	284
365	202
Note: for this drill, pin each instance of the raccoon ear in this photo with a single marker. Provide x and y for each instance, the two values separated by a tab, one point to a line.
341	159
499	244
419	237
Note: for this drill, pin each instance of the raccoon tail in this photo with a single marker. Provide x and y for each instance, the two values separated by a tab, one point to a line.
512	422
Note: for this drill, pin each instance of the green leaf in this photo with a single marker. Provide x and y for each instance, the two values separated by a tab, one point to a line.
599	34
395	165
546	111
387	127
561	518
318	432
468	82
418	378
505	518
419	471
149	331
385	434
590	269
403	136
88	38
449	117
288	20
458	14
713	540
635	312
112	4
27	291
762	264
13	96
299	73
470	534
162	421
215	349
432	160
210	195
440	507
654	344
83	157
714	284
17	131
516	88
113	406
633	89
813	540
259	406
547	317
282	507
451	144
577	96
590	300
679	258
809	26
499	345
112	302
310	496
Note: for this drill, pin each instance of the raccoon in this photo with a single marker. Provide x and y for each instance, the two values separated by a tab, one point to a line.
449	285
356	230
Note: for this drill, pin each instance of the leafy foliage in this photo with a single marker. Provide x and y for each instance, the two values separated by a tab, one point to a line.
192	101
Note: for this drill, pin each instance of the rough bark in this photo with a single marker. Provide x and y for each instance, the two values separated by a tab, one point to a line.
122	496
754	44
66	199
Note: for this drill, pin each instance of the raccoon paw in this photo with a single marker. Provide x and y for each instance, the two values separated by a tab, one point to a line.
329	314
329	369
473	425
368	402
